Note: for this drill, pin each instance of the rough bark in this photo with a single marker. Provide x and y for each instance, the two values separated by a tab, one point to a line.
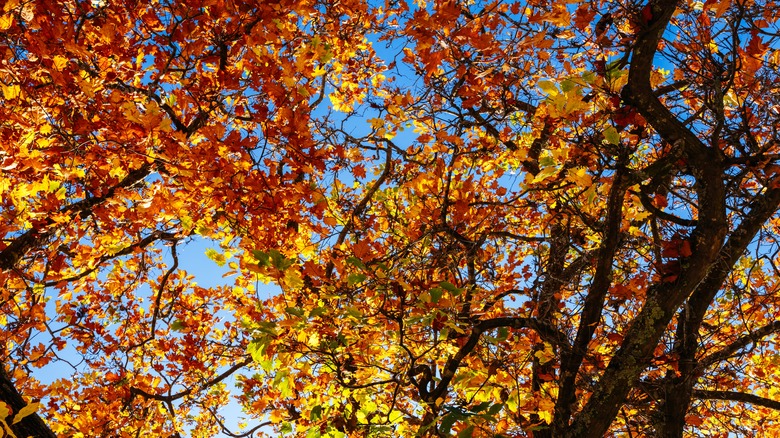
594	304
31	425
663	298
680	389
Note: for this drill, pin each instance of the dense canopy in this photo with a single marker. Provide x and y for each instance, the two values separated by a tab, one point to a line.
479	218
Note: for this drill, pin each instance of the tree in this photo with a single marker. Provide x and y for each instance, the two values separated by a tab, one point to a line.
484	218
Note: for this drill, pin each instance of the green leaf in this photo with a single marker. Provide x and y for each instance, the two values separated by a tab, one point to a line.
611	135
414	320
257	347
612	72
481	407
354	312
436	294
279	261
272	258
316	413
333	433
177	325
296	311
451	288
317	311
589	77
496	408
568	85
547	161
354	261
263	259
591	194
282	382
355	278
447	422
268	327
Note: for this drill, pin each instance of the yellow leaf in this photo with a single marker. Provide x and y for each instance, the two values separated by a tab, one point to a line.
6	21
27	138
219	258
116	172
11	92
545	173
579	176
25	411
60	62
292	279
545	355
546	404
5	410
548	87
10	4
546	407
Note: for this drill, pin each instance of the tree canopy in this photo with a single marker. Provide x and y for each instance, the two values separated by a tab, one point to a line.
483	218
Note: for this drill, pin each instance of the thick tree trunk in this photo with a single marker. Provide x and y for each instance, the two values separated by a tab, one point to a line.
671	421
31	425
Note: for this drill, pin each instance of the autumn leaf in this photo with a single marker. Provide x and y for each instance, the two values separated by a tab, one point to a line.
611	135
548	87
5	410
25	411
11	92
395	219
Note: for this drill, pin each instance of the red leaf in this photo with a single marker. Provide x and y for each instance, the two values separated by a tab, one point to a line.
694	420
600	66
359	171
438	322
685	249
624	116
670	250
546	377
647	14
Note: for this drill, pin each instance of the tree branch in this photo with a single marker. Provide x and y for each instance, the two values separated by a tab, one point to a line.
736	396
594	301
663	298
546	332
739	344
173	397
33	237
